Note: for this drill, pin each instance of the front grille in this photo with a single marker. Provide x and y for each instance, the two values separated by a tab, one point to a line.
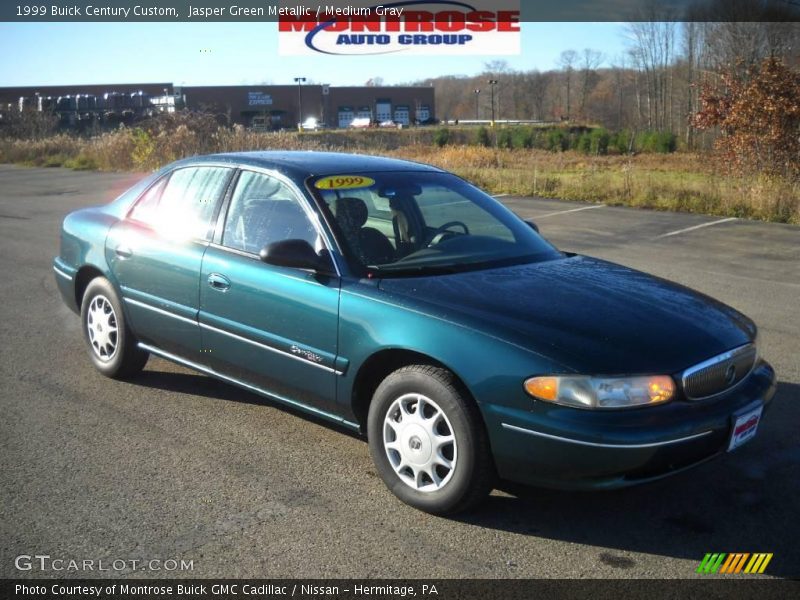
720	373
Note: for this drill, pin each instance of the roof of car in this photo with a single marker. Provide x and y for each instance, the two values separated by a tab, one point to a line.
307	163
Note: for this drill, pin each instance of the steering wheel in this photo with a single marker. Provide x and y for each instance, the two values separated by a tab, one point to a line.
443	230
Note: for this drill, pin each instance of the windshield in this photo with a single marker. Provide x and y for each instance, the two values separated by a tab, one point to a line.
412	223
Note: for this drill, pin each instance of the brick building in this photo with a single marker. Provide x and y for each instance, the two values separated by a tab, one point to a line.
281	106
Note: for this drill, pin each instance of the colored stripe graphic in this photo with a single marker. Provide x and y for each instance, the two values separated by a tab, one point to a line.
758	563
711	563
735	562
723	563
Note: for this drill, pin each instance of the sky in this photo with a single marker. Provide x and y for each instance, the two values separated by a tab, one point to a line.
246	54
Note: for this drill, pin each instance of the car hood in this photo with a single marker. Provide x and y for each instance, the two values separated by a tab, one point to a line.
588	315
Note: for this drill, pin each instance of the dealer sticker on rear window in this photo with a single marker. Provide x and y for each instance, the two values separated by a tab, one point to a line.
343	182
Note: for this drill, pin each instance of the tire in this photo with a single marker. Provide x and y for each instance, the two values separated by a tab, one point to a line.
112	347
411	451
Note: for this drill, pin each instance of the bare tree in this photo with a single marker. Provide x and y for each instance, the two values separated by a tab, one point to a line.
538	83
567	62
590	60
619	76
740	34
652	50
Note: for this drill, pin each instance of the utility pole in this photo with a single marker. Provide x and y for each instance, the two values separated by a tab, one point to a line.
493	83
299	81
477	103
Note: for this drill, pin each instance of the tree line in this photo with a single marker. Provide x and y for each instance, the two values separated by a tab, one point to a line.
655	85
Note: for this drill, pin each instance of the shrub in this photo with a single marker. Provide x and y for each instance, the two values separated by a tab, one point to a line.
505	138
522	137
82	162
583	143
30	124
441	137
482	137
598	141
143	148
662	142
557	140
759	116
621	142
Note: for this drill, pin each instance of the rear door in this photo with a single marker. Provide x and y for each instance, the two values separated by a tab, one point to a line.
156	254
272	327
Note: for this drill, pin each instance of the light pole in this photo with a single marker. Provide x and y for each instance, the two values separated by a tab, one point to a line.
477	103
299	81
493	83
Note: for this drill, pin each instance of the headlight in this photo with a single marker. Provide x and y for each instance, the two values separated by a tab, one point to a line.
581	391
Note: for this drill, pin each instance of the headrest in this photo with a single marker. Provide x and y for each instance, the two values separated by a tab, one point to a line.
351	213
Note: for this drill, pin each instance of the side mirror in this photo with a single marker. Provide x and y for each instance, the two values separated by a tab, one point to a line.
295	254
533	226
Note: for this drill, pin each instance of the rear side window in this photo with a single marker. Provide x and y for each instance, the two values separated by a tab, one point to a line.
145	209
182	205
264	210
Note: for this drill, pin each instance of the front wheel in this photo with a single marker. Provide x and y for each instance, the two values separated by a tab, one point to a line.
111	344
428	441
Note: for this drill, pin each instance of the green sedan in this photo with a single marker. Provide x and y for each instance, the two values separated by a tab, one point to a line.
400	301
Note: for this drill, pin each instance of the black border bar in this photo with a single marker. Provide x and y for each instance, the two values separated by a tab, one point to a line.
708	588
530	10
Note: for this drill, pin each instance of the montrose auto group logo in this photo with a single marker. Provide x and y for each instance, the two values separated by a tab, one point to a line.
416	27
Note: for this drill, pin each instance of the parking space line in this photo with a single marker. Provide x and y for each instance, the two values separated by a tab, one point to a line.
499	195
571	210
718	222
450	203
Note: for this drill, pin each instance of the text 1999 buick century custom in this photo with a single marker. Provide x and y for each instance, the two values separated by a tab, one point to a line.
399	300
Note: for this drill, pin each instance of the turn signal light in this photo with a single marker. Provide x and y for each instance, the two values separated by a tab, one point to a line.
544	388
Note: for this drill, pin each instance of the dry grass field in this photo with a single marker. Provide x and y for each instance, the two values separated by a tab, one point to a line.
679	181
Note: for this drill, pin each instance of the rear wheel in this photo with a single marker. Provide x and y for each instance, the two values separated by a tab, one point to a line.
428	442
112	347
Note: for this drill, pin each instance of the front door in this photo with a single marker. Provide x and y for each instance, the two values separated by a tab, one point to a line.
271	327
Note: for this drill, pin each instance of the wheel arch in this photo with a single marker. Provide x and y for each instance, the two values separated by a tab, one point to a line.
380	365
83	277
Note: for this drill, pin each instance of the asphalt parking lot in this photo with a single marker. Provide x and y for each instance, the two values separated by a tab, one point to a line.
175	465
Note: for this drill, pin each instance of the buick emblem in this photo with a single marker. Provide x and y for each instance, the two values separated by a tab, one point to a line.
415	443
730	374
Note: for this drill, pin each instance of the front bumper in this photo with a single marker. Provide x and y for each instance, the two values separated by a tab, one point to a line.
569	448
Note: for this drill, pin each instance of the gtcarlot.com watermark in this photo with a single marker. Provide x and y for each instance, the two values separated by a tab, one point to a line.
47	563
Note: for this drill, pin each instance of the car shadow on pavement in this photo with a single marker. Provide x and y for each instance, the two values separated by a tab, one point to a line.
193	383
198	384
745	501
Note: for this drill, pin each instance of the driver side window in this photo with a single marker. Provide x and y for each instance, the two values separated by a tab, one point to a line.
264	210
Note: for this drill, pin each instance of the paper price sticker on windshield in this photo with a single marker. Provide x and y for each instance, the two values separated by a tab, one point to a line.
343	182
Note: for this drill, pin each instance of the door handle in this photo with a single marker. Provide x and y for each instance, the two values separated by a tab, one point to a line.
219	282
123	251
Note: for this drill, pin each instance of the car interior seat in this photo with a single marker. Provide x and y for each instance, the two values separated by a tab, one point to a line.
371	246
